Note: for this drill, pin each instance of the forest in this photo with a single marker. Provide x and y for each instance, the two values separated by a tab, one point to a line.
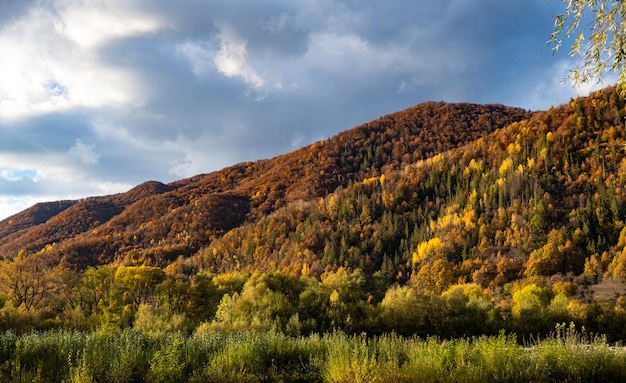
454	221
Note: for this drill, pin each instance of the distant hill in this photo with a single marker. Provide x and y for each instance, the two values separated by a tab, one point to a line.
32	216
161	222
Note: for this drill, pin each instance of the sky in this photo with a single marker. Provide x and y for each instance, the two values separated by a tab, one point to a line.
97	96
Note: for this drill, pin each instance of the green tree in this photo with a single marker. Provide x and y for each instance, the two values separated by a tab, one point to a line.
602	41
264	303
159	320
404	311
313	304
529	306
95	296
348	296
468	311
138	283
203	298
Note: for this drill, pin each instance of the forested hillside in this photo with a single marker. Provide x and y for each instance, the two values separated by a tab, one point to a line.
163	221
445	219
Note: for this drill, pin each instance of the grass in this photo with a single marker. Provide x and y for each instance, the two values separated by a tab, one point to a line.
132	356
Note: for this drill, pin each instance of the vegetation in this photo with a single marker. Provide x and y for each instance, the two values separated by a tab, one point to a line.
602	38
156	223
447	220
132	356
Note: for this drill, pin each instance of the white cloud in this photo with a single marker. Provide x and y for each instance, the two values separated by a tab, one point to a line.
232	60
121	135
198	55
553	88
354	55
333	52
13	205
10	205
174	154
86	153
411	84
90	23
54	64
44	163
19	174
48	176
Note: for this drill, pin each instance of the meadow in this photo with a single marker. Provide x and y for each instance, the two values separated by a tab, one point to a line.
133	356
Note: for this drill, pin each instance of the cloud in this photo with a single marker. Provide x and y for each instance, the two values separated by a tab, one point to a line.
84	152
198	55
48	177
19	174
54	64
91	23
232	60
99	95
552	87
13	205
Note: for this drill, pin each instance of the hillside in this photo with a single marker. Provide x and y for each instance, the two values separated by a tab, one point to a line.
162	222
541	197
33	216
443	219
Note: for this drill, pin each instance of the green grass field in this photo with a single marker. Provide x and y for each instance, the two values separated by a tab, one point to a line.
131	356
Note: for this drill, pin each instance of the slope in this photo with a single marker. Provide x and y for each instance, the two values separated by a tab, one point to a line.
180	219
543	197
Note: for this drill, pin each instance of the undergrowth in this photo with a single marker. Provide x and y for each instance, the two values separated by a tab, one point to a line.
567	355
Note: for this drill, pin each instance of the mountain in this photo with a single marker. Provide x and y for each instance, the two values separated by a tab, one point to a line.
32	216
158	223
438	193
451	220
541	197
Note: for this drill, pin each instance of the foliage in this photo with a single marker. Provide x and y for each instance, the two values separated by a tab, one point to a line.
51	357
602	39
391	226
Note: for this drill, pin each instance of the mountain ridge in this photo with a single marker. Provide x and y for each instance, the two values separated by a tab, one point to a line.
448	220
312	171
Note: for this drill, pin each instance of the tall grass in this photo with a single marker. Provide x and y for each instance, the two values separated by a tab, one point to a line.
132	356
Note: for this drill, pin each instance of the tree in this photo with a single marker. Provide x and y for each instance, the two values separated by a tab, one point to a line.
528	307
603	40
261	306
468	311
138	283
25	280
95	288
404	311
548	259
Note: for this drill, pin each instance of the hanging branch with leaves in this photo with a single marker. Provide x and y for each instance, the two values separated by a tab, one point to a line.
597	28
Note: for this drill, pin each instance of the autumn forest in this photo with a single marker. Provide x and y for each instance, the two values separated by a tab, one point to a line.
448	220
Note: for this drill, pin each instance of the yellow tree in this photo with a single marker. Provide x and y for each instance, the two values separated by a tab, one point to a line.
528	308
138	283
548	259
25	280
